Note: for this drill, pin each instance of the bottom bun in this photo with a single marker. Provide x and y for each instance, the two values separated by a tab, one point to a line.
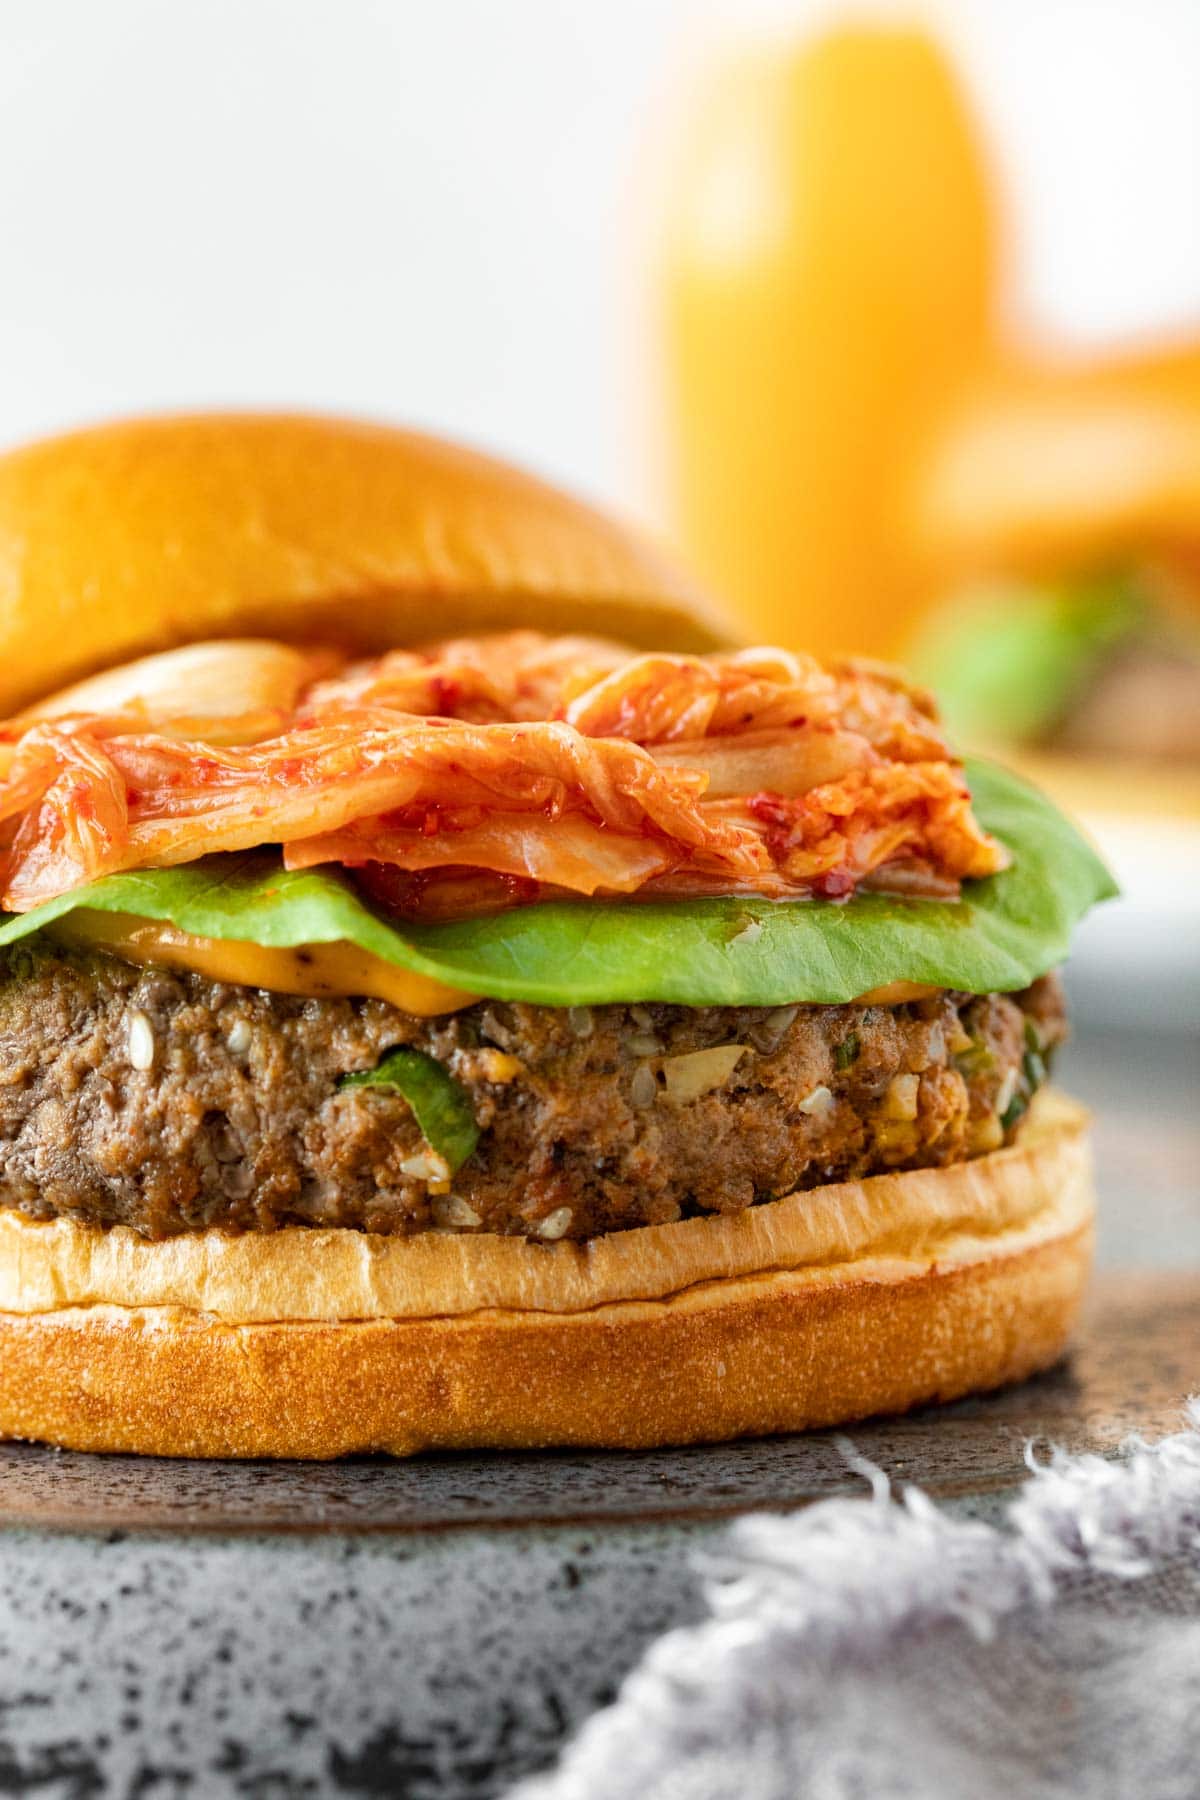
823	1307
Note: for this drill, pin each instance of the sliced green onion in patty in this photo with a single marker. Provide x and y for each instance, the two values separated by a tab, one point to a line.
440	1105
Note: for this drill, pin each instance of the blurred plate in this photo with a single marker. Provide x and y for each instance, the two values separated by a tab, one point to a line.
1136	959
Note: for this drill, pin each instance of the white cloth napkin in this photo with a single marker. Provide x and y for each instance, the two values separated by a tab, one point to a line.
876	1647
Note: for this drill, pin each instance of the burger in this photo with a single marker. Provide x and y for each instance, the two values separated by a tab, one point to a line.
452	996
1057	515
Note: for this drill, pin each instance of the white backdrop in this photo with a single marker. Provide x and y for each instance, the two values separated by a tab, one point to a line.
420	208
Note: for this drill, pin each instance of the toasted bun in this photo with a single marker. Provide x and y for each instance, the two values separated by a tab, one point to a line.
1051	469
138	536
857	1298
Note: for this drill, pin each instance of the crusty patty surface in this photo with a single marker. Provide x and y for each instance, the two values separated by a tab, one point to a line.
239	1122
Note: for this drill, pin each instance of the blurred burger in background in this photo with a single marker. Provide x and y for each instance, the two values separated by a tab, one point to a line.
1058	515
1058	511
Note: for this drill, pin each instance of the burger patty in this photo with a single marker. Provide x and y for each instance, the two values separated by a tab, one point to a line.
587	1122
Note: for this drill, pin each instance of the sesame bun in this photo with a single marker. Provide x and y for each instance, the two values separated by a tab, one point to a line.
134	537
825	1306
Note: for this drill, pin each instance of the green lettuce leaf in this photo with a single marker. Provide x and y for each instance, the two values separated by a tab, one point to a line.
1008	660
439	1104
1001	935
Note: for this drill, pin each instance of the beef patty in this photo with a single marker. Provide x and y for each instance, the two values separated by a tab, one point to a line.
587	1124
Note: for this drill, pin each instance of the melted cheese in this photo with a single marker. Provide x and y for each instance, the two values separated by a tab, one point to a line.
897	993
312	969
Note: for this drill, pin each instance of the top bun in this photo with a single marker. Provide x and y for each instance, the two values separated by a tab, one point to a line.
134	537
1043	470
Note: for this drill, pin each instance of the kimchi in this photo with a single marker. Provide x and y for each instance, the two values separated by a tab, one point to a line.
471	773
